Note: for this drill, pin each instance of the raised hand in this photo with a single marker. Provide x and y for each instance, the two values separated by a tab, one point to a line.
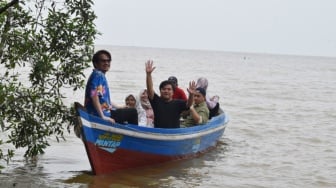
192	87
149	66
149	81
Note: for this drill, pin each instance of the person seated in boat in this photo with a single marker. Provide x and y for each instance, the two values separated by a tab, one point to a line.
166	109
97	94
198	113
178	92
145	110
130	101
212	102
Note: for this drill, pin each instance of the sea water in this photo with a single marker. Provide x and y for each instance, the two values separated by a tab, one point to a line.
281	132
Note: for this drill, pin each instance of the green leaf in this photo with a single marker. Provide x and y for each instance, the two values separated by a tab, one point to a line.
52	42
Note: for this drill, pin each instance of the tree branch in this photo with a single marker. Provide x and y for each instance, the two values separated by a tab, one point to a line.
12	3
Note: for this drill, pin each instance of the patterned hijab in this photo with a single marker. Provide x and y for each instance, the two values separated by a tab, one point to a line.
144	101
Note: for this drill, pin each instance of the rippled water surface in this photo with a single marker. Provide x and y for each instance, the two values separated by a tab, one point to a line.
281	132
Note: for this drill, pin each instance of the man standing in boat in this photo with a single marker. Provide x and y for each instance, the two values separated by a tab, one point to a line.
166	110
97	94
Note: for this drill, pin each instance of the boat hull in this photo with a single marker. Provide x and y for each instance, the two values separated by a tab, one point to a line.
116	147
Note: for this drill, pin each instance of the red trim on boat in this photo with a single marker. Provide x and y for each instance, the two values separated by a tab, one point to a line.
104	162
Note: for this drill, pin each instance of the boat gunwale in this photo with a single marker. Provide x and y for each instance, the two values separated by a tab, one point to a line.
148	133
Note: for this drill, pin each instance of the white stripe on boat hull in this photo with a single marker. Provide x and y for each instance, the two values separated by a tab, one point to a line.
149	135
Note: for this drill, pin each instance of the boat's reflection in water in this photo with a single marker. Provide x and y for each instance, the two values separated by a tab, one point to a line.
170	174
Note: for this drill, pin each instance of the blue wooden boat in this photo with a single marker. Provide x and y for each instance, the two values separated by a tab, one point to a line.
115	147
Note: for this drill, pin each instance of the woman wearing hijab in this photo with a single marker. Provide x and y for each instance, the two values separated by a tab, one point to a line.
145	111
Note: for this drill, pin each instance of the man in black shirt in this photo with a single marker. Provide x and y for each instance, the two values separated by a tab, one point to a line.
166	110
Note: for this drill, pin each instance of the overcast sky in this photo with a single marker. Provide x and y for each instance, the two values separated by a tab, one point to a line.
300	27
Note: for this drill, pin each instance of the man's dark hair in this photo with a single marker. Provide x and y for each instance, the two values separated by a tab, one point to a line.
173	79
96	56
166	82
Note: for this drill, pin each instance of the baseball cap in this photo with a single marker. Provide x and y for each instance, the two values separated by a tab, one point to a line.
201	91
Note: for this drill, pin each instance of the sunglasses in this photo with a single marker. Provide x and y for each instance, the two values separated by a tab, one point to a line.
105	60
